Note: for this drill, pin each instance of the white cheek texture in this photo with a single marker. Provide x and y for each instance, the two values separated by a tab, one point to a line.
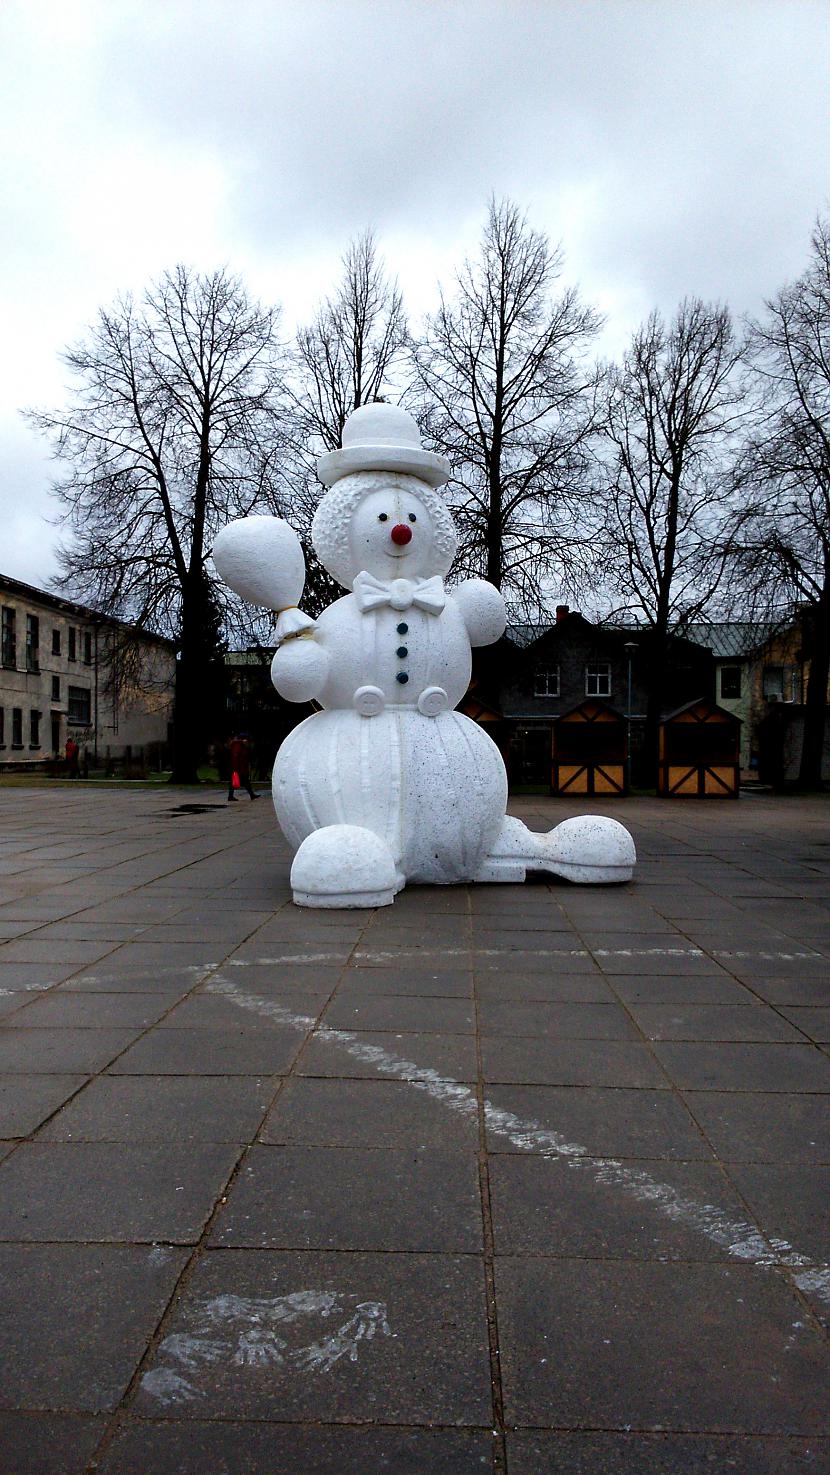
261	558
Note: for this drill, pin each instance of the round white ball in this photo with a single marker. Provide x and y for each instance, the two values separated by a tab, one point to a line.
261	558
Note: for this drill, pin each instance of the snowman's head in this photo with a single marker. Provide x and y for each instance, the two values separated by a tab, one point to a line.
389	524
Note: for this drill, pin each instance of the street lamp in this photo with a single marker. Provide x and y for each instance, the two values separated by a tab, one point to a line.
630	647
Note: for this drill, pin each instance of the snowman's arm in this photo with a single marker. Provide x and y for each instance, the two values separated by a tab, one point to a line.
300	669
482	610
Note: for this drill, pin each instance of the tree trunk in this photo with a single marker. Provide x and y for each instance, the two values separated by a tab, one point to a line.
188	741
815	709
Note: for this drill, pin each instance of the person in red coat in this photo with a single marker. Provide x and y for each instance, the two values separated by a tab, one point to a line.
240	756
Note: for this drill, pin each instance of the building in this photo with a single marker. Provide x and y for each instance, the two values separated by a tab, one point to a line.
538	672
757	666
68	672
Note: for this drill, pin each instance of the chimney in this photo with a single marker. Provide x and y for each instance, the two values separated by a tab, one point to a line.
562	612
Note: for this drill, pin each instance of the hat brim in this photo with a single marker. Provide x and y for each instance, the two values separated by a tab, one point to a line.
407	460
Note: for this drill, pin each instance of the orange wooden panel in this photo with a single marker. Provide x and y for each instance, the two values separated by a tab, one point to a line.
573	777
719	781
683	780
609	780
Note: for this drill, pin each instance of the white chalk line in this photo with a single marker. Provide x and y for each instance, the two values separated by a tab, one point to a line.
374	956
739	1238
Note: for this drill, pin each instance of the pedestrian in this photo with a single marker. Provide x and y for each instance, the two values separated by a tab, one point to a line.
240	756
72	753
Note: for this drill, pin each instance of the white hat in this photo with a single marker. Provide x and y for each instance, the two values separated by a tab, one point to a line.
380	437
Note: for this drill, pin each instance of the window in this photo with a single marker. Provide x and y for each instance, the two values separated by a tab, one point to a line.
79	705
780	683
72	637
730	682
56	688
87	648
9	638
32	643
546	681
56	642
17	727
598	679
34	729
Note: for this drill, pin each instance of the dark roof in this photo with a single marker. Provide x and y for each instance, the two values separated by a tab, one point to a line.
700	702
732	637
28	592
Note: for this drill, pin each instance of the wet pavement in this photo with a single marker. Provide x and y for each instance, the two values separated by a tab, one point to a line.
527	1179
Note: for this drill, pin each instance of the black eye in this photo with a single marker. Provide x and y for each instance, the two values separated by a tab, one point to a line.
383	517
412	517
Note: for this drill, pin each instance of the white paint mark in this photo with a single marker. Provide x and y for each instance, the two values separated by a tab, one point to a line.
418	954
739	1238
159	1255
254	1332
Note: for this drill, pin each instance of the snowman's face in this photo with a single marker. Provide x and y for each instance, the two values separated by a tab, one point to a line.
391	535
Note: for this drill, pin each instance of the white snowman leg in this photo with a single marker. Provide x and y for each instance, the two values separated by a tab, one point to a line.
344	866
591	850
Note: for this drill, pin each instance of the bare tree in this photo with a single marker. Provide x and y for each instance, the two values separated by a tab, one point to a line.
342	360
508	397
784	542
673	411
170	432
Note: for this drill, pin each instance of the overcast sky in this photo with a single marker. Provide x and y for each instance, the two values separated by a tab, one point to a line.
672	148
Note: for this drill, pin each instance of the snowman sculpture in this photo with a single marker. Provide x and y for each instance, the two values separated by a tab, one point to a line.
387	783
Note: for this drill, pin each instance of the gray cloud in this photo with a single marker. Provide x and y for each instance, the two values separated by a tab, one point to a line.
673	148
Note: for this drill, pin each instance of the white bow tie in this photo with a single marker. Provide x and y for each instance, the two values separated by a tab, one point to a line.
427	594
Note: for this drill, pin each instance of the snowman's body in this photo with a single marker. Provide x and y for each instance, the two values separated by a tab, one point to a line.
388	783
432	787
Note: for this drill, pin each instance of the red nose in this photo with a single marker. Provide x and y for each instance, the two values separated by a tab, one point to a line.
401	534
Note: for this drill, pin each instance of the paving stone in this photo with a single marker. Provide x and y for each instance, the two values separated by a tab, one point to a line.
752	1067
285	1449
258	1330
729	1022
26	1101
403	1055
573	1021
350	1010
251	1051
77	1319
86	1191
789	1203
20	977
42	950
207	1010
813	1022
607	1123
570	1063
575	959
36	1051
368	1113
682	991
553	988
567	1343
561	1453
163	1109
90	1011
566	1208
421	983
47	1444
325	1198
765	1126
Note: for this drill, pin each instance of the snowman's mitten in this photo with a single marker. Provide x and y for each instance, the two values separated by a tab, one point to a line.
291	622
300	670
482	610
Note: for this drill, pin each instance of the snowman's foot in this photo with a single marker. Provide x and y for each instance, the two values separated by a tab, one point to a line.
344	866
590	850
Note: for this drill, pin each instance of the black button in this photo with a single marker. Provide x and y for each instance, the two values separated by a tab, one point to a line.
402	678
401	652
402	629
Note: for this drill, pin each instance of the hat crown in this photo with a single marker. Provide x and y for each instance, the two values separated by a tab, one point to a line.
381	425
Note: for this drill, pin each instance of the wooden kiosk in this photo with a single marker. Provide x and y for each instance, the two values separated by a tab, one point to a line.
589	750
700	747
